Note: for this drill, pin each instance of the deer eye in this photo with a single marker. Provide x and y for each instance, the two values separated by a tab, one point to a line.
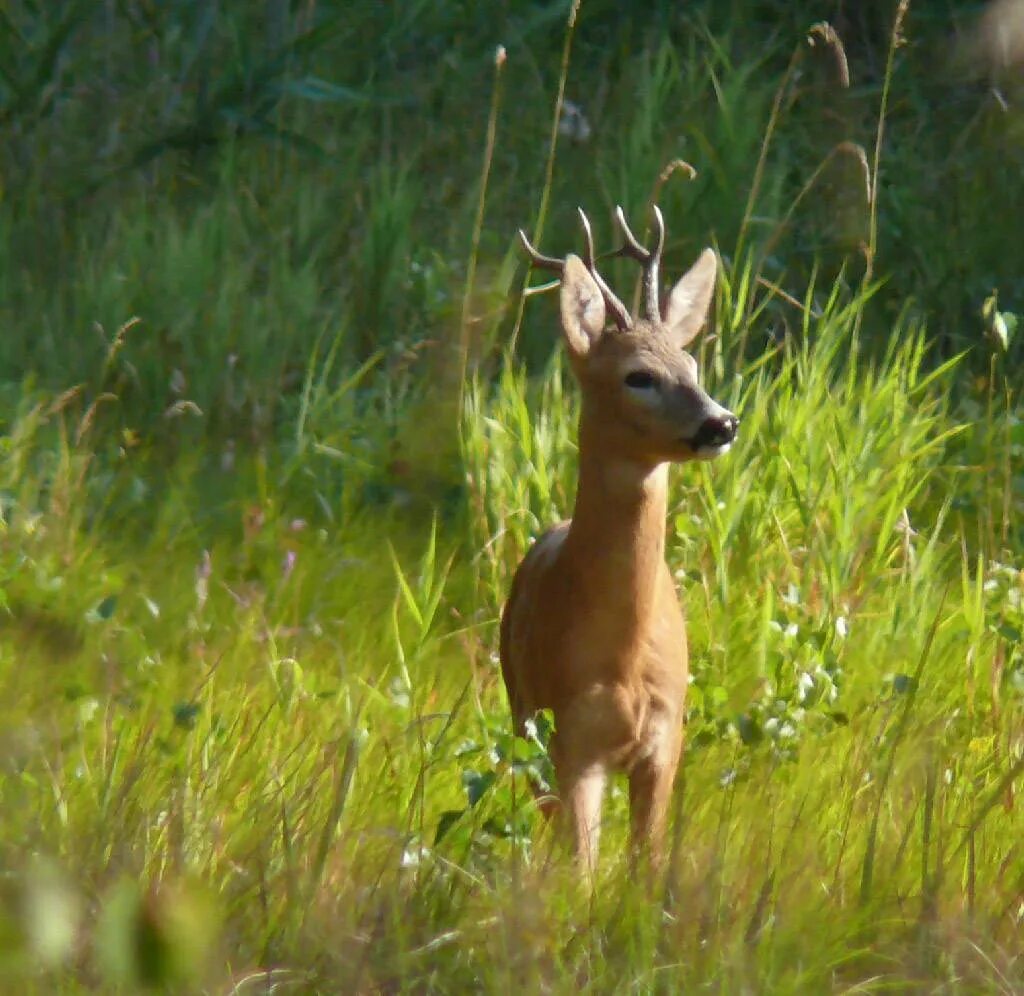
641	379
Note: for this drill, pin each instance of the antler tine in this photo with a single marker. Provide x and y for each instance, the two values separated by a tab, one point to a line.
538	259
620	313
649	259
588	240
618	310
659	227
632	247
651	274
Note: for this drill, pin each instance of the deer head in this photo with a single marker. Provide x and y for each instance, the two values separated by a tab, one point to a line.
641	392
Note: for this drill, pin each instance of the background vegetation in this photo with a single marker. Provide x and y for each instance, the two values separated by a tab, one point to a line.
277	424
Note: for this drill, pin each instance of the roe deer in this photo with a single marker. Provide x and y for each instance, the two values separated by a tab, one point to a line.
592	628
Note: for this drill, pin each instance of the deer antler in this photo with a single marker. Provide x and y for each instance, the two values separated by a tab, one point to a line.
649	259
619	312
539	260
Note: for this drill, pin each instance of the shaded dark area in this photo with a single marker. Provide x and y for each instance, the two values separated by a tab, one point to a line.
249	179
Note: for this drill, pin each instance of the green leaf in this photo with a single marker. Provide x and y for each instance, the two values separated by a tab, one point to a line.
903	683
185	714
106	608
717	696
496	829
749	730
476	785
1009	633
447	820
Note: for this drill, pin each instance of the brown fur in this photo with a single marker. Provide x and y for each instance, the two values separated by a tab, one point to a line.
593	629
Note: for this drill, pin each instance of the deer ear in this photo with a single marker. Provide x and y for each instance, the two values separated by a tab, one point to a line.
583	310
688	304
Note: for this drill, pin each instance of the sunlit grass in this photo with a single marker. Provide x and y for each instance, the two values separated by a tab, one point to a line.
304	720
254	545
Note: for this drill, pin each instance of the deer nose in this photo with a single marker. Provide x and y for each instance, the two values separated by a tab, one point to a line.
717	431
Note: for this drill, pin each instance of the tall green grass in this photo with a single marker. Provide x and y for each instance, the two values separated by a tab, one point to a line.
314	729
267	463
149	147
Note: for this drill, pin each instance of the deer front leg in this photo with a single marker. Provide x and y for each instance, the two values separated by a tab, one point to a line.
582	792
650	790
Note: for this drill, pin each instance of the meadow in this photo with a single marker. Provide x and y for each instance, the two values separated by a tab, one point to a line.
277	422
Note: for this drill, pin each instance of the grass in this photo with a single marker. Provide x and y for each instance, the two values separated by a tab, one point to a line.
268	461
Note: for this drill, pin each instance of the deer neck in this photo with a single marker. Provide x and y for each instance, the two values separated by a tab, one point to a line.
617	533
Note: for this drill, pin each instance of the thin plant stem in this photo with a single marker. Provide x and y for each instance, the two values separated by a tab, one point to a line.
895	40
549	169
769	133
902	725
675	166
478	223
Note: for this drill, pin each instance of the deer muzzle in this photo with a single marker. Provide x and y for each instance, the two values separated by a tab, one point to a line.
715	435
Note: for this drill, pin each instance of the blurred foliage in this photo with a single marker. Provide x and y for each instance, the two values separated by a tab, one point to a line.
267	461
249	178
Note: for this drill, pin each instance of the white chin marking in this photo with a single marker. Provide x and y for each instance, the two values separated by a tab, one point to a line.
711	452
